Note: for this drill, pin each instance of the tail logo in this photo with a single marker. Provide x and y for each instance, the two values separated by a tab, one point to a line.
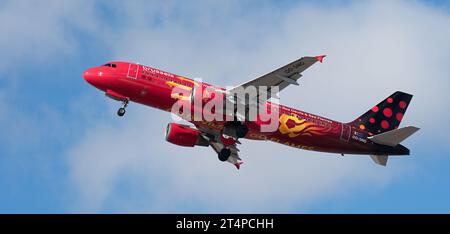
385	116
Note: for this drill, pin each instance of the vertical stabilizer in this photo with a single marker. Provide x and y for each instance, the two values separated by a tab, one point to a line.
385	116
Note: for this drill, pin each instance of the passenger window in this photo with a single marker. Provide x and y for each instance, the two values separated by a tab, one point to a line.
113	65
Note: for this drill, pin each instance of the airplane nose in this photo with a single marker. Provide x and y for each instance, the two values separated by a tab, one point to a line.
88	76
95	77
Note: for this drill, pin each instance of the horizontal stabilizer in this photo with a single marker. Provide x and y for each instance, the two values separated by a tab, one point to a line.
394	137
380	159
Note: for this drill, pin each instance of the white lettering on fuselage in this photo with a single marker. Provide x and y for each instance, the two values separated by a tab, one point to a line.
156	71
359	137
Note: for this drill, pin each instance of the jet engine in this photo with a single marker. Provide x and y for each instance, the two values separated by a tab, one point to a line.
184	135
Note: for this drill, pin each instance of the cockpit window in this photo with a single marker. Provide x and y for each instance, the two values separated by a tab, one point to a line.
110	65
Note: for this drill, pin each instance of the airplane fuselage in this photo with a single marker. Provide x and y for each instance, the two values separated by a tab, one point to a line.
153	87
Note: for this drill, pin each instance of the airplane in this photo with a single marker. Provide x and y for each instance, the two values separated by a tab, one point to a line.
375	133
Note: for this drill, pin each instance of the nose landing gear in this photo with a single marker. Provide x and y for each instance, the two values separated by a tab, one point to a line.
121	111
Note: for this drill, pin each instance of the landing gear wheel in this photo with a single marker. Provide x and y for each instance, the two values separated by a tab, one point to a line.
224	154
241	130
121	112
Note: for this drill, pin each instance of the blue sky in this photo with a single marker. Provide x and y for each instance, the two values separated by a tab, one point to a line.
63	150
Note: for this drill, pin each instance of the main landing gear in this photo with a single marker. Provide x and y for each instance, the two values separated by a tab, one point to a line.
241	130
121	110
224	154
231	132
235	129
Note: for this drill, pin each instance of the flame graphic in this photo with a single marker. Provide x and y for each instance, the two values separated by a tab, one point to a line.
173	84
179	96
302	127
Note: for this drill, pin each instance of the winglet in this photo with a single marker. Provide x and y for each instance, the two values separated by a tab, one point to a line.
238	164
320	58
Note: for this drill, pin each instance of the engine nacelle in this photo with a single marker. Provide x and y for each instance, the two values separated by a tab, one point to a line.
183	135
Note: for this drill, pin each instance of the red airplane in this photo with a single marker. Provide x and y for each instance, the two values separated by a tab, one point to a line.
375	133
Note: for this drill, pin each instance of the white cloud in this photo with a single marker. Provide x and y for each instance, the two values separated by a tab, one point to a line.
374	48
33	32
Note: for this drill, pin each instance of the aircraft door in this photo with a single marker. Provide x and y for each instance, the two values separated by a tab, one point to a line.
133	71
345	132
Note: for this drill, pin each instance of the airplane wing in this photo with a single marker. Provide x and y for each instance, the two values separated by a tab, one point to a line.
212	136
281	78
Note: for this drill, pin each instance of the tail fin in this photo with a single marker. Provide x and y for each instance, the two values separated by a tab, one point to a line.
385	116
